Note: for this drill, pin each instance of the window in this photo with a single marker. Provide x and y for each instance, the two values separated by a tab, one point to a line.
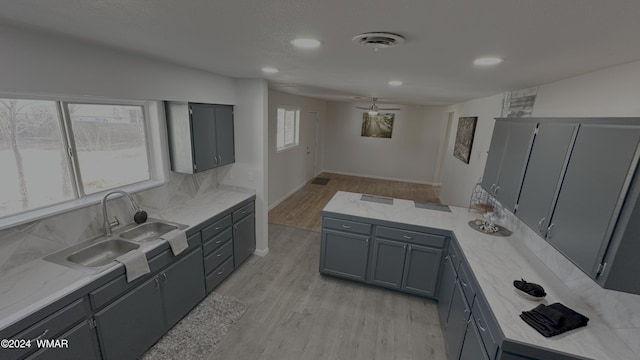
288	128
56	151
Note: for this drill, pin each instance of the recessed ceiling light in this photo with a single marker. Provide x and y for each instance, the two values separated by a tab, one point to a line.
379	40
270	70
395	83
306	43
487	61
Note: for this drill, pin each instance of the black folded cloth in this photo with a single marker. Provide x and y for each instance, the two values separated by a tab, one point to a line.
554	319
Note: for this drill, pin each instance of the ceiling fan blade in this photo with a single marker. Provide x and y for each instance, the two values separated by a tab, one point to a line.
389	109
363	108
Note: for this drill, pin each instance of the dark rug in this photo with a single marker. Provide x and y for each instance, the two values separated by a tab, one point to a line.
320	181
197	334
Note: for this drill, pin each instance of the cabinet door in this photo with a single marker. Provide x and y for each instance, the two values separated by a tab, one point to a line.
494	159
224	135
203	132
344	254
388	263
473	348
514	161
182	287
457	323
421	270
80	340
244	239
131	324
592	191
544	172
447	284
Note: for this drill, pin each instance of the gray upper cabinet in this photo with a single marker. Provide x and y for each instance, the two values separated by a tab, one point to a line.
201	136
548	159
601	166
512	156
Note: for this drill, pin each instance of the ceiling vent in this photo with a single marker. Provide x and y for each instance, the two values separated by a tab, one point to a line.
379	40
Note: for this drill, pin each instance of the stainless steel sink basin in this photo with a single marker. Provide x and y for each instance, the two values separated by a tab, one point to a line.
102	253
147	231
98	254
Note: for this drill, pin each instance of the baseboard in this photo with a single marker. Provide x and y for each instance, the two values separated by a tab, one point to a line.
261	252
283	198
381	177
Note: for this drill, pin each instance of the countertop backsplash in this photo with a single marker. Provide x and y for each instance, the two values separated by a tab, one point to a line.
31	241
621	311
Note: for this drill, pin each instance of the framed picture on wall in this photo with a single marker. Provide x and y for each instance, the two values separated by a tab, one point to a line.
380	126
464	138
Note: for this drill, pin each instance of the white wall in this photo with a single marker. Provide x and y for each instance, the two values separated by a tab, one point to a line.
288	169
410	155
34	62
249	170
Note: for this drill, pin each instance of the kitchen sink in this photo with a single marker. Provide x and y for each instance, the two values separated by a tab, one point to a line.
147	231
102	253
99	253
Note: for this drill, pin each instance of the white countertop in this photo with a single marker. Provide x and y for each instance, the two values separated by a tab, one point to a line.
37	284
496	262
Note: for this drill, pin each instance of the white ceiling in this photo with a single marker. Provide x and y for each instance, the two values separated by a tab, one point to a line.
541	40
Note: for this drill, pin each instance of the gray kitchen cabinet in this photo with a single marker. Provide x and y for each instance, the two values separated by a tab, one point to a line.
516	147
473	347
421	270
549	156
342	253
81	345
128	326
244	234
601	166
132	323
447	285
457	323
388	263
201	136
182	287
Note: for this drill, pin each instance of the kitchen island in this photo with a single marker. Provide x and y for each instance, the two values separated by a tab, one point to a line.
493	263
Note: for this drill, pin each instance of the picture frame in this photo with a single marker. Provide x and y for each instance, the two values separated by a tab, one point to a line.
464	138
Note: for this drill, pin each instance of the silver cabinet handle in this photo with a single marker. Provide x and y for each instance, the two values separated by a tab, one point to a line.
164	276
221	272
220	158
410	249
407	237
219	255
219	241
346	226
217	228
464	283
496	190
479	323
40	336
157	282
366	242
549	230
540	223
404	246
447	258
491	187
215	161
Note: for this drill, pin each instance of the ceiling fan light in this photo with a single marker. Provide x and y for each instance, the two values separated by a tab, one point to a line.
372	112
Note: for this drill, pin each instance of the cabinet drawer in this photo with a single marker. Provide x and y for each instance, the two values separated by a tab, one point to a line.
467	283
215	278
243	211
410	236
217	241
216	228
218	257
346	225
487	326
48	328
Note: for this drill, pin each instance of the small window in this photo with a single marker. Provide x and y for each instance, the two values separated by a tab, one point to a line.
55	151
288	128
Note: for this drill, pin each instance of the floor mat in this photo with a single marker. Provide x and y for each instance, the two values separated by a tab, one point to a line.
320	181
197	334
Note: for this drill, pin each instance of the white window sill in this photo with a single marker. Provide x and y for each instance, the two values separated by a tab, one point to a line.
41	213
287	148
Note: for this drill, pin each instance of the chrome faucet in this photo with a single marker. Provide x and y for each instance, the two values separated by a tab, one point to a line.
139	216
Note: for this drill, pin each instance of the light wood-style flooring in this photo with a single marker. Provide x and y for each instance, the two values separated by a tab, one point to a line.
295	313
302	209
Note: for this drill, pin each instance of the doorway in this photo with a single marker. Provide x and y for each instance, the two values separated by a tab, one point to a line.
312	144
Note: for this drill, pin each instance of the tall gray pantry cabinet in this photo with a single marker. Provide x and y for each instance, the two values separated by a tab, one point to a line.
201	136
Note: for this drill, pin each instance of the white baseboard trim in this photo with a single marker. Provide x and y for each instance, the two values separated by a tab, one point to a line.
261	252
381	177
285	196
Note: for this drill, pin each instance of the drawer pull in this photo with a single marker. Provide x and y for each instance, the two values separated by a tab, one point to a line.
346	226
221	272
157	282
217	227
164	276
40	336
464	283
244	211
407	237
219	255
479	323
219	241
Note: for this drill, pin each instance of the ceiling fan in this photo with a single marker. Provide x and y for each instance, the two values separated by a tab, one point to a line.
373	110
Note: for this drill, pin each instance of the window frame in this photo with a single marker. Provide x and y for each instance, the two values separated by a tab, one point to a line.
296	131
157	156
